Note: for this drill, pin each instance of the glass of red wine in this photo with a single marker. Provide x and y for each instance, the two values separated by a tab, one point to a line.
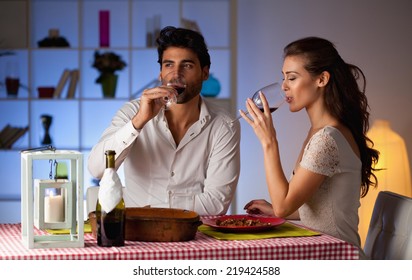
177	81
274	95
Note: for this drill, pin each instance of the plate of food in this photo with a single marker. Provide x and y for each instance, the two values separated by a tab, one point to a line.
243	223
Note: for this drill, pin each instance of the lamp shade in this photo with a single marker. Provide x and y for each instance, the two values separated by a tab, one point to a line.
395	174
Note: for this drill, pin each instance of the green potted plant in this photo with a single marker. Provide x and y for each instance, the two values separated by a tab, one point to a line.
107	64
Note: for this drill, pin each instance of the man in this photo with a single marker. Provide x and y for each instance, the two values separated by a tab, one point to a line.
187	149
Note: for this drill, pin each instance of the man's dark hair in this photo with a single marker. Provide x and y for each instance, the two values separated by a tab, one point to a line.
184	38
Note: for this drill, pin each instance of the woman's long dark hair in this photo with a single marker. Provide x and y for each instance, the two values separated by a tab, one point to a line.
343	98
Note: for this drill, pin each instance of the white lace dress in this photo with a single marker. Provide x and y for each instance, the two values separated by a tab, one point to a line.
333	209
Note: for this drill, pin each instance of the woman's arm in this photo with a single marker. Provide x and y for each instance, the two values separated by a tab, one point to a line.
286	197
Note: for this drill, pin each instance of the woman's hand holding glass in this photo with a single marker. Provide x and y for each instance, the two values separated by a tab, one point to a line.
273	96
260	119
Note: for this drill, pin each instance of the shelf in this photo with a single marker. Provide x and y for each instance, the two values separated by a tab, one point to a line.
79	122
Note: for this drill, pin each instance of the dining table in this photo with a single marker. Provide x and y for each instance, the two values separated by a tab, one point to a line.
289	241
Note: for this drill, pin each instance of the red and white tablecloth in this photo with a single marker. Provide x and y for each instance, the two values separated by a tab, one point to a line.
202	247
12	248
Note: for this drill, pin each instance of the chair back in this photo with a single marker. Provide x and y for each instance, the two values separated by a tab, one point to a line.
390	231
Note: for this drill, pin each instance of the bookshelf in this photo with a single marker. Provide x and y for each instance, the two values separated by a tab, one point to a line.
78	121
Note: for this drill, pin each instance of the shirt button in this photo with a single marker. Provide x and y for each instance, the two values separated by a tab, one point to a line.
172	174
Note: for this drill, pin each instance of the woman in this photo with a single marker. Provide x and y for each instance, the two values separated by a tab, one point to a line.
335	166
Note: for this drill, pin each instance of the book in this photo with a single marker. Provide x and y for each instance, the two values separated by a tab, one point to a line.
190	24
74	78
9	135
62	82
19	132
4	135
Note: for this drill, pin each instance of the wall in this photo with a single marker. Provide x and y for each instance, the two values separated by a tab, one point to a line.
375	35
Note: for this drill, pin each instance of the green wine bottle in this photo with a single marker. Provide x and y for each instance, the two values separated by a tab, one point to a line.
111	225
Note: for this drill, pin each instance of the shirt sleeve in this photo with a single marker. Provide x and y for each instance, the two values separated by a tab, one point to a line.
118	137
222	173
321	154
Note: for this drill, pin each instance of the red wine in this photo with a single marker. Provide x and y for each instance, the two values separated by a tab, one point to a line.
179	89
110	229
272	109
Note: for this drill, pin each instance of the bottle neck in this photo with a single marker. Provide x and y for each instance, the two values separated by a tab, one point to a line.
110	162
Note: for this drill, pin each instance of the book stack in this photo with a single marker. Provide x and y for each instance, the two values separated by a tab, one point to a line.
69	80
9	135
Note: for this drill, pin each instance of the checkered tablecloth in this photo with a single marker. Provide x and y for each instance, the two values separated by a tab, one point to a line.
12	248
202	247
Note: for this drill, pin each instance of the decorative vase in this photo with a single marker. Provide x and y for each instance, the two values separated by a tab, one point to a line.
109	83
46	121
211	87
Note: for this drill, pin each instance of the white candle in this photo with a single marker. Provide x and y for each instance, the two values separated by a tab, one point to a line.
53	209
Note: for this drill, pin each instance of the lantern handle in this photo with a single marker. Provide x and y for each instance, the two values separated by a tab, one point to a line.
51	169
44	148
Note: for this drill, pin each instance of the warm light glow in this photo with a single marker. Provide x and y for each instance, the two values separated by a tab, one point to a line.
395	176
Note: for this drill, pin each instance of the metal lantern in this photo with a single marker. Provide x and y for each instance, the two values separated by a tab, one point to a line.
52	203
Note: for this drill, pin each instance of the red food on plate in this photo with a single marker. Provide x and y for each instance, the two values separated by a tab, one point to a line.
243	223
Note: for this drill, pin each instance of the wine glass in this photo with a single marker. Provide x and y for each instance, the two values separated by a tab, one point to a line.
274	96
177	81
